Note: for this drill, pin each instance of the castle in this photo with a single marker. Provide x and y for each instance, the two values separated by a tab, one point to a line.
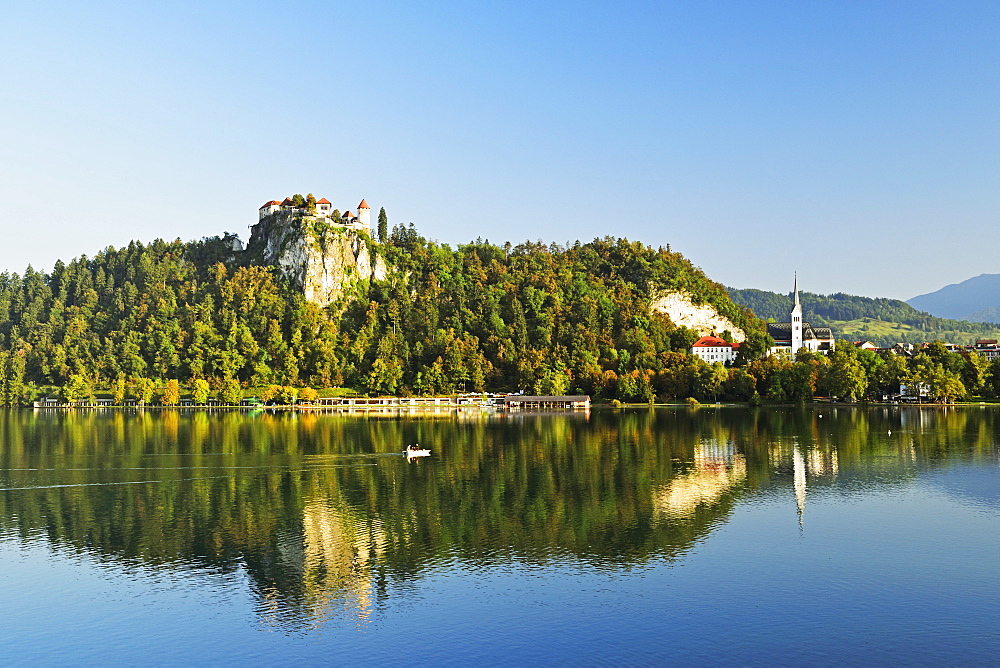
322	208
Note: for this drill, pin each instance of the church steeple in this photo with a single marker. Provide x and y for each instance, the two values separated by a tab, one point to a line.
796	320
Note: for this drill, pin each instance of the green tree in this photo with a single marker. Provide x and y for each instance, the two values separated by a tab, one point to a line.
144	389
78	389
740	385
383	226
846	377
232	393
385	376
975	372
284	395
118	391
628	387
948	387
801	379
13	389
199	392
755	347
891	374
710	380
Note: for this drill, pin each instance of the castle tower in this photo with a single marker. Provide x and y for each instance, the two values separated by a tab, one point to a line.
364	216
796	320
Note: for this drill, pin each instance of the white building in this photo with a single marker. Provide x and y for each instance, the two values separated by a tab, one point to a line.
713	349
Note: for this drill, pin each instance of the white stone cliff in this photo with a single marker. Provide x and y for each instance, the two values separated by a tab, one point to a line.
702	318
321	259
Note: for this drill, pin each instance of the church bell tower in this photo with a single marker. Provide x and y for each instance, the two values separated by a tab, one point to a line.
796	320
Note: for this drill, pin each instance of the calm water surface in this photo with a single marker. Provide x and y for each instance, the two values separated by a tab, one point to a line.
712	536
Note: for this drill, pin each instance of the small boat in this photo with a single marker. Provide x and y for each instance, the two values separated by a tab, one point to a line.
416	451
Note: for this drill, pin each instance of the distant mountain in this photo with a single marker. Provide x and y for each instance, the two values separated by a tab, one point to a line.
991	314
977	299
879	320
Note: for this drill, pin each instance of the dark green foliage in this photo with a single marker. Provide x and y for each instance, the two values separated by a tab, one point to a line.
540	318
383	226
535	317
837	306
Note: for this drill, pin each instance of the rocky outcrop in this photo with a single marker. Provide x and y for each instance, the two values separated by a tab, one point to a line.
702	318
319	258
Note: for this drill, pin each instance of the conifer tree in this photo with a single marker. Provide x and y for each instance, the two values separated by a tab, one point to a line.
383	225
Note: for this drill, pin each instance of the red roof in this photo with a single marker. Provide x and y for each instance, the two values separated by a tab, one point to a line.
363	205
271	203
288	202
710	342
347	214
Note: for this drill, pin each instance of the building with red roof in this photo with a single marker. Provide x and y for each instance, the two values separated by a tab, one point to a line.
714	349
324	209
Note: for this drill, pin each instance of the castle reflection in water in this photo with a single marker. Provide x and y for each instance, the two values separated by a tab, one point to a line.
326	518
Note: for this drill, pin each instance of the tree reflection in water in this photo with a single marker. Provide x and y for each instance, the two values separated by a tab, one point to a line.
327	518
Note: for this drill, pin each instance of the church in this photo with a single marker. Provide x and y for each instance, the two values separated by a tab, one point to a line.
790	336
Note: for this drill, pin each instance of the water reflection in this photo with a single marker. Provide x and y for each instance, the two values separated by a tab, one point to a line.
717	470
327	518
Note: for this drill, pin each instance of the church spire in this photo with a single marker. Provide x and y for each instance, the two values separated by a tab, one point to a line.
796	320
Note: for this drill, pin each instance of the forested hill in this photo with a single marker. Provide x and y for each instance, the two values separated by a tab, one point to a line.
882	321
837	306
534	317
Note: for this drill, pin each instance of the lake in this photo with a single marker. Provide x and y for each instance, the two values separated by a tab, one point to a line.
717	535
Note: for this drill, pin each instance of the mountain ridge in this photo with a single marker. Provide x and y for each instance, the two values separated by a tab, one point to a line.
974	298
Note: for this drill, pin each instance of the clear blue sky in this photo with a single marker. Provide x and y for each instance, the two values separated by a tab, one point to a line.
855	142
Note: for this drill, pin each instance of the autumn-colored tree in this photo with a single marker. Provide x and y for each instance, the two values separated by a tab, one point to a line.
170	395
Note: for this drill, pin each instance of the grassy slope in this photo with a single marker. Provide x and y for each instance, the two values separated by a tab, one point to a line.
885	333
